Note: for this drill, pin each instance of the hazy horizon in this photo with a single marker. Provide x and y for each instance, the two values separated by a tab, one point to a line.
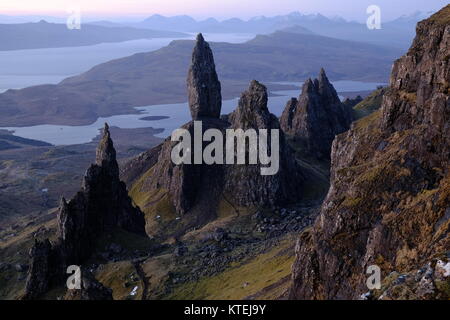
202	9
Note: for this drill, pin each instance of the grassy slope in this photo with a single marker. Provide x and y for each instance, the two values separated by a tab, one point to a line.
370	104
262	276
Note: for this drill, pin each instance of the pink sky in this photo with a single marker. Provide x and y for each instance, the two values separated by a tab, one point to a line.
352	9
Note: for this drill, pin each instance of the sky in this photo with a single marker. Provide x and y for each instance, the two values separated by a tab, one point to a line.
348	9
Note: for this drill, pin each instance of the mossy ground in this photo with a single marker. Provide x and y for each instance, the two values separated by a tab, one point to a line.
160	214
122	278
370	104
244	279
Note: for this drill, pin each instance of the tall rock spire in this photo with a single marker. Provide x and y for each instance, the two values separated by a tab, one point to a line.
204	89
101	205
106	154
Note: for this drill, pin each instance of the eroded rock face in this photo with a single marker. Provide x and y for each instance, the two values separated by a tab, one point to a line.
187	184
101	204
390	185
204	90
39	272
317	116
244	183
201	186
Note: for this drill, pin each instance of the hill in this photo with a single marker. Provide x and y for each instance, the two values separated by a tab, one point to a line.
55	35
397	33
157	77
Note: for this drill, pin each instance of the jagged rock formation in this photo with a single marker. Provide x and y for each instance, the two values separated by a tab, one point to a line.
41	262
187	183
102	204
204	90
192	184
245	184
200	187
317	116
388	204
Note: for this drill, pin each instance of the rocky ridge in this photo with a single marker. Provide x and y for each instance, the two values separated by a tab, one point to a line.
388	204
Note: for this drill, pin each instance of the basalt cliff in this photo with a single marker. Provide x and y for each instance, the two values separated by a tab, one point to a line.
389	200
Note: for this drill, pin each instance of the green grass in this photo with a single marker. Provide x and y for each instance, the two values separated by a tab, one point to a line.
154	203
370	104
121	277
243	279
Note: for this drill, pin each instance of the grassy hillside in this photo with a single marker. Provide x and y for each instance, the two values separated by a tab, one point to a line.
370	104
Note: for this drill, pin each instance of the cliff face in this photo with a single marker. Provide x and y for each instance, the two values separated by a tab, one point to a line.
388	204
317	116
102	204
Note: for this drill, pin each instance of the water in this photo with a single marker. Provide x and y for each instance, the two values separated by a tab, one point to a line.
178	114
24	68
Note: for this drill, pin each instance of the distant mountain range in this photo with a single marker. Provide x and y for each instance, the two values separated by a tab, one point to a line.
52	35
397	33
158	77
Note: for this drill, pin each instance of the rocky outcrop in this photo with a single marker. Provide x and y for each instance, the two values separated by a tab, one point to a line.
131	170
101	205
388	204
244	183
204	90
194	190
194	184
187	185
39	272
316	117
